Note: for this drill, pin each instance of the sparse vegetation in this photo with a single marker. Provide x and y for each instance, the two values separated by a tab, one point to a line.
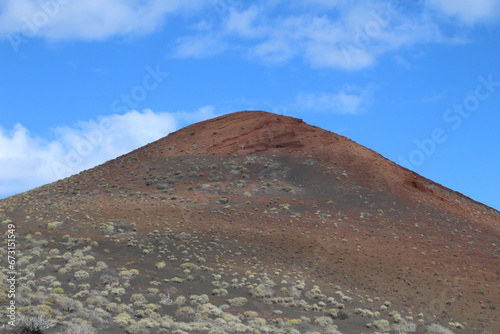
438	329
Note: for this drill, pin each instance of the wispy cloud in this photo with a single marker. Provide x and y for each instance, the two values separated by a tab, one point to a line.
27	161
245	23
87	20
338	34
350	100
199	46
341	34
468	11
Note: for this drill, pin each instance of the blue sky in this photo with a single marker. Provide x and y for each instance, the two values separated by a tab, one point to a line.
82	82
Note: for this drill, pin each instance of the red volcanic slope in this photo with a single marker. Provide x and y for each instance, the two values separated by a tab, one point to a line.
249	132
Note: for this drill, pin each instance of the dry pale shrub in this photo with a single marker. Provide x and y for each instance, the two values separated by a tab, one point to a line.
27	325
382	325
101	265
118	291
78	328
438	329
324	321
98	317
181	300
53	225
161	265
186	311
137	328
68	304
217	331
137	299
108	279
197	300
122	319
82	274
97	300
239	301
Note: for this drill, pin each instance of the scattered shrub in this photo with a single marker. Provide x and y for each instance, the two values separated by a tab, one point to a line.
97	317
122	319
382	325
199	300
101	265
333	313
438	329
239	301
223	200
97	300
54	252
161	265
181	300
404	327
53	225
177	280
186	311
82	274
78	328
58	291
108	279
33	325
128	274
137	329
183	236
250	314
118	291
137	299
69	305
217	331
324	321
219	292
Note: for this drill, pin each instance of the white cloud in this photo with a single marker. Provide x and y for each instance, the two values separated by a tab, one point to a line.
350	100
339	34
23	159
468	11
88	20
243	23
27	161
200	46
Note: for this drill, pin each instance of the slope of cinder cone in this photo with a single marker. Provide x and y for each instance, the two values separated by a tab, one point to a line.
285	195
249	132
